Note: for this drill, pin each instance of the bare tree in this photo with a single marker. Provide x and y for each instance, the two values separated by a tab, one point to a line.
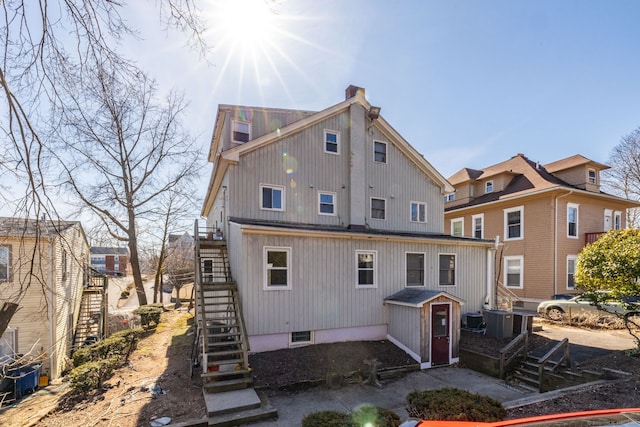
44	44
122	150
624	176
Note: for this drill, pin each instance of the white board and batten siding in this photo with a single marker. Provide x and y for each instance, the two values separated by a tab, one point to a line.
323	295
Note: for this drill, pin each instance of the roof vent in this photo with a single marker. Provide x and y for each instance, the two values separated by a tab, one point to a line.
352	90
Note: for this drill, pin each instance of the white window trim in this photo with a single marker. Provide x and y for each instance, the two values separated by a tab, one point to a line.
375	269
274	187
324	141
617	214
233	122
486	185
9	272
595	176
301	343
575	259
386	152
450	197
424	269
371	208
506	222
504	267
473	225
454	220
265	268
577	208
455	269
425	211
334	195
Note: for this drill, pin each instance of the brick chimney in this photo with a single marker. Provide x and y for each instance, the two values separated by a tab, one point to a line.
352	90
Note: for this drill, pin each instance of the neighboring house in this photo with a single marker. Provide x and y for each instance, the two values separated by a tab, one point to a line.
43	270
181	241
110	261
335	231
542	216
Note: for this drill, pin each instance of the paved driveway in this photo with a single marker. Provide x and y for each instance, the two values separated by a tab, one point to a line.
585	344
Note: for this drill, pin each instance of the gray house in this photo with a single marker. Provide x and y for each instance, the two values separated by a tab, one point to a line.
330	225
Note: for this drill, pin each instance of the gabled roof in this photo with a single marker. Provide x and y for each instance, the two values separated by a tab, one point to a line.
103	250
227	157
417	297
572	162
529	177
24	227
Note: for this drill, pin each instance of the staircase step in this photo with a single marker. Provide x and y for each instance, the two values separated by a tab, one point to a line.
219	386
213	354
223	374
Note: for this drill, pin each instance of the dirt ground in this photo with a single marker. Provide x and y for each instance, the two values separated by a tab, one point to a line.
162	359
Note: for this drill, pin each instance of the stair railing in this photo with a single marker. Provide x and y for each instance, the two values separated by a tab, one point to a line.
518	347
565	359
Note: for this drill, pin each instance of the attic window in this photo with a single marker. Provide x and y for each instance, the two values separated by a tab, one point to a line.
488	187
593	177
241	132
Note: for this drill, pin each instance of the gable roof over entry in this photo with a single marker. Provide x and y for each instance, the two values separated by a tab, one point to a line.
418	297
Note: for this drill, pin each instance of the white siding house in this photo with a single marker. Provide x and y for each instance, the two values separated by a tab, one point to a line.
327	217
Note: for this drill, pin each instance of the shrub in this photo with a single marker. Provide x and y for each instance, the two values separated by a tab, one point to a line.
117	345
328	419
149	314
91	375
451	404
125	294
369	415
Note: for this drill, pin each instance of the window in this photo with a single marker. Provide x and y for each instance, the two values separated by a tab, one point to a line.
326	203
447	270
617	220
449	197
593	176
418	212
457	227
331	142
478	226
488	187
572	220
276	268
378	208
272	197
571	269
513	223
301	337
63	266
241	131
366	269
380	152
513	271
5	263
607	219
415	269
9	343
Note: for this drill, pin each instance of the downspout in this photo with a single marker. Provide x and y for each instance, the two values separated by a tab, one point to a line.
52	356
489	299
555	243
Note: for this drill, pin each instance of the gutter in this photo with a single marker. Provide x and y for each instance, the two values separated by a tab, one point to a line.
52	356
555	242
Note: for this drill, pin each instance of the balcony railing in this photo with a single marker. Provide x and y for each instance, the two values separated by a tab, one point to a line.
592	237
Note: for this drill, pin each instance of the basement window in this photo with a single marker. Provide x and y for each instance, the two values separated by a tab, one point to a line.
301	337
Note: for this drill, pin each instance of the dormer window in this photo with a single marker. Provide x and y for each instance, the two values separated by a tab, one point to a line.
241	131
449	197
593	176
488	187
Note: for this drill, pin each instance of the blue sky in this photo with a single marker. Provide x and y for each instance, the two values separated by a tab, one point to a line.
467	83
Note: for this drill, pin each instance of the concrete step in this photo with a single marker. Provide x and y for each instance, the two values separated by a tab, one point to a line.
231	401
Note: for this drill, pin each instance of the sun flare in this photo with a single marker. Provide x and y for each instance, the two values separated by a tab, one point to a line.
243	23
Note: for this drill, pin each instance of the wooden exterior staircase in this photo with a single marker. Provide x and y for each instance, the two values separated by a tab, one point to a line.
221	344
92	318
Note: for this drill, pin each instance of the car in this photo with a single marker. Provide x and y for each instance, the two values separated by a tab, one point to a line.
580	304
627	417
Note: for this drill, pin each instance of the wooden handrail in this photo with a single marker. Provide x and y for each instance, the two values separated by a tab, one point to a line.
561	346
504	351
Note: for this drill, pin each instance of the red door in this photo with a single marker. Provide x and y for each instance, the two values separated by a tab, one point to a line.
440	334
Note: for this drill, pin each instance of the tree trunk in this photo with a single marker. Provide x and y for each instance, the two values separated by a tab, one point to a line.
6	313
135	261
